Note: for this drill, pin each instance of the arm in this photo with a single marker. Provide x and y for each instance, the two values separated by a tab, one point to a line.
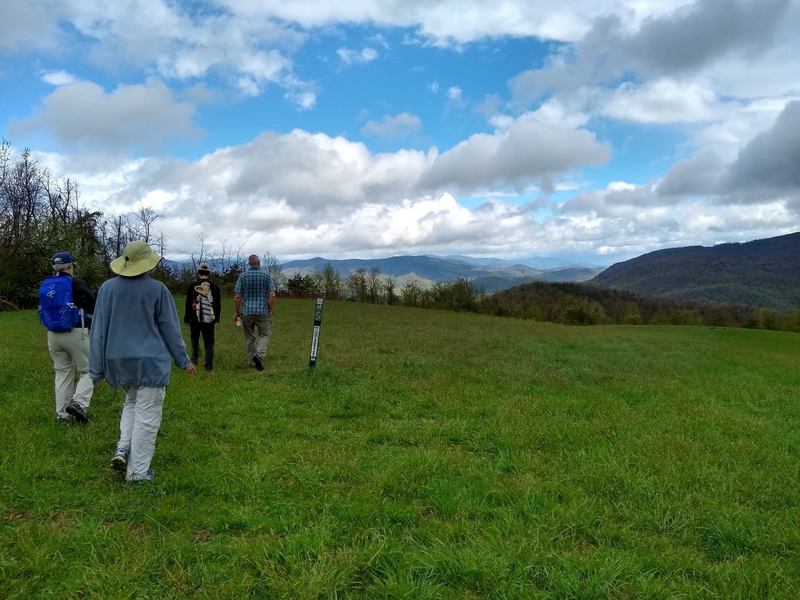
83	296
237	304
97	338
167	317
217	302
187	313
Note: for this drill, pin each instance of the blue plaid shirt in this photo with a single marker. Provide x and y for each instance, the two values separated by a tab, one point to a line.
253	286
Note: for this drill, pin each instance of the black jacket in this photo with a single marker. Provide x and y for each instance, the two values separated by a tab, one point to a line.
82	297
189	315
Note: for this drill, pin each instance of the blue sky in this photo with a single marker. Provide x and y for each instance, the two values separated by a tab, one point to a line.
590	131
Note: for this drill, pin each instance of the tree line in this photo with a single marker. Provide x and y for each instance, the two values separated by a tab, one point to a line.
565	303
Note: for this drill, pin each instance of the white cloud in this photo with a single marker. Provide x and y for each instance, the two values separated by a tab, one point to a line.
29	25
393	126
58	78
303	100
662	101
303	194
720	40
454	92
434	20
357	57
529	148
164	38
84	115
433	87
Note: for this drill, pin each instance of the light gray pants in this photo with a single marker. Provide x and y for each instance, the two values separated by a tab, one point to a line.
256	344
70	353
138	427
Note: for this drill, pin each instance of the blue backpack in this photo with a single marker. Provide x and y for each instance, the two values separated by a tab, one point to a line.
56	310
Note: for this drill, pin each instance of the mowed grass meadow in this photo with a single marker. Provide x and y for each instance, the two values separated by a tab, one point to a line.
430	455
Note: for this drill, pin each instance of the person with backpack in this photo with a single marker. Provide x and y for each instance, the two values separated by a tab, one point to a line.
66	305
203	307
136	336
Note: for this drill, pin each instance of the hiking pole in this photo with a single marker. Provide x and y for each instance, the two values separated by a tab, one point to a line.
312	358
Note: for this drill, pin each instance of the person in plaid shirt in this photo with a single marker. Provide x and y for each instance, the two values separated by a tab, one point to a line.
254	299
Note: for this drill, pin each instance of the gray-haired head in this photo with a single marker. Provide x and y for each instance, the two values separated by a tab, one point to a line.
253	260
62	262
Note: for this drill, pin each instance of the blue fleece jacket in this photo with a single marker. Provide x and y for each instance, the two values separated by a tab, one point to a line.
135	333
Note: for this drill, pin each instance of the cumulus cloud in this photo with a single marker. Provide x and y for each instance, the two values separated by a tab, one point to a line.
693	176
765	168
29	25
84	115
661	101
771	160
700	33
631	219
169	39
528	149
302	194
454	92
357	57
58	78
692	37
393	126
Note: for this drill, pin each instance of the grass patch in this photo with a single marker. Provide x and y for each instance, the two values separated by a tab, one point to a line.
431	455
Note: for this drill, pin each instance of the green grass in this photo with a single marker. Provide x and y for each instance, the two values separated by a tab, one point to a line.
431	455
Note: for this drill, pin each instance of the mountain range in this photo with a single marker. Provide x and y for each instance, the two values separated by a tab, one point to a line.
487	274
761	273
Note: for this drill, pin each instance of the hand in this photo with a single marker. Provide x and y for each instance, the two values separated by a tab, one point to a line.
191	368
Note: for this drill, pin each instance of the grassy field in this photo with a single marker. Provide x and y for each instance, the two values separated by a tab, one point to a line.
431	455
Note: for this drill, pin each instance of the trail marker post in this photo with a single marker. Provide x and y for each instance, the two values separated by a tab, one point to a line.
312	358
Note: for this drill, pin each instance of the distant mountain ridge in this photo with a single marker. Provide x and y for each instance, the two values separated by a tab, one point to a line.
763	273
496	275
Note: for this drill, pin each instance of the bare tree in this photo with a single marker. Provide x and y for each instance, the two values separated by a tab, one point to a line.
147	216
332	282
201	237
275	271
357	284
374	285
390	285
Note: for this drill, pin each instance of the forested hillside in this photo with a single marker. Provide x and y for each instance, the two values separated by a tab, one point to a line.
761	273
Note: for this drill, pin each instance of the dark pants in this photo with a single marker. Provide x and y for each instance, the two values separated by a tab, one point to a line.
207	329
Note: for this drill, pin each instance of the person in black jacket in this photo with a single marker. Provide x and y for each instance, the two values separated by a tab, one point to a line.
203	308
70	349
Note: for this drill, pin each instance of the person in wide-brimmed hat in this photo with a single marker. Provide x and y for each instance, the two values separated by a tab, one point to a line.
135	338
201	314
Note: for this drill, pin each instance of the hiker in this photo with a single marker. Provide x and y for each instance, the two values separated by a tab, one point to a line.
203	307
65	307
254	299
135	337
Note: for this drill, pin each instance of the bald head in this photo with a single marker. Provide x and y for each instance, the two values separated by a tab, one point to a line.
253	260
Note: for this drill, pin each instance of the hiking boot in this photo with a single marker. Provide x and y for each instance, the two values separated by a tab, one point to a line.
138	478
258	363
120	460
76	410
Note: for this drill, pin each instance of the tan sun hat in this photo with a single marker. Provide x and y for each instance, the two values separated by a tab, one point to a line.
137	258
